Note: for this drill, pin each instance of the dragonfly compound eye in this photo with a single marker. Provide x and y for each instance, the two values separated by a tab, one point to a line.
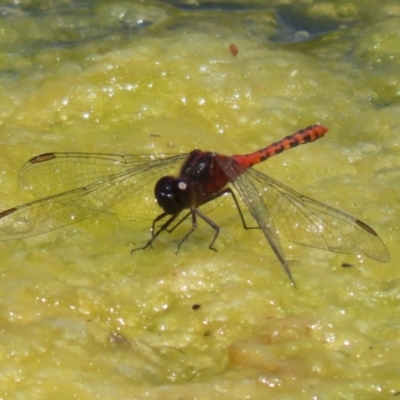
172	194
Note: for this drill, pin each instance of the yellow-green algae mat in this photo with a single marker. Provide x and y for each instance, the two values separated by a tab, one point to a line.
83	318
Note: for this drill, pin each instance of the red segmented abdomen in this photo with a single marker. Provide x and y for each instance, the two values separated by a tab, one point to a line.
307	135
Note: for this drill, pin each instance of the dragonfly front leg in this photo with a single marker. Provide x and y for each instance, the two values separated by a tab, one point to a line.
155	233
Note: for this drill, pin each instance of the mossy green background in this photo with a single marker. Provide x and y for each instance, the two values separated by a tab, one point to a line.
82	318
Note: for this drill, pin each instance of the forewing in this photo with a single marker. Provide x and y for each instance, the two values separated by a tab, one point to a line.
133	181
305	221
53	173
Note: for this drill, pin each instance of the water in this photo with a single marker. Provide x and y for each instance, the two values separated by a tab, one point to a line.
83	317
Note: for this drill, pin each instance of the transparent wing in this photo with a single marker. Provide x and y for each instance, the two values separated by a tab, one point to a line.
305	221
53	173
62	172
250	194
92	185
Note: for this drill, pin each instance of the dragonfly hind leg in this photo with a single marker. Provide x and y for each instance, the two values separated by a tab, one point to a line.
194	212
229	191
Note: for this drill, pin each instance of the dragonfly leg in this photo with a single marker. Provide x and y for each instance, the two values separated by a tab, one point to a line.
230	191
176	225
213	225
209	221
155	233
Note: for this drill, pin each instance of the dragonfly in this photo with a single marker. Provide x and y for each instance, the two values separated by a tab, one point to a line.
77	186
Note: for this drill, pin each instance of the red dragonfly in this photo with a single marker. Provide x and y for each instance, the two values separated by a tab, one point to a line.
81	185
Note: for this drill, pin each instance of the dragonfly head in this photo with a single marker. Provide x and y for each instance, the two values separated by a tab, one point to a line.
173	194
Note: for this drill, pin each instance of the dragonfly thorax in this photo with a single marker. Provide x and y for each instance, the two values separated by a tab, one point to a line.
173	194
